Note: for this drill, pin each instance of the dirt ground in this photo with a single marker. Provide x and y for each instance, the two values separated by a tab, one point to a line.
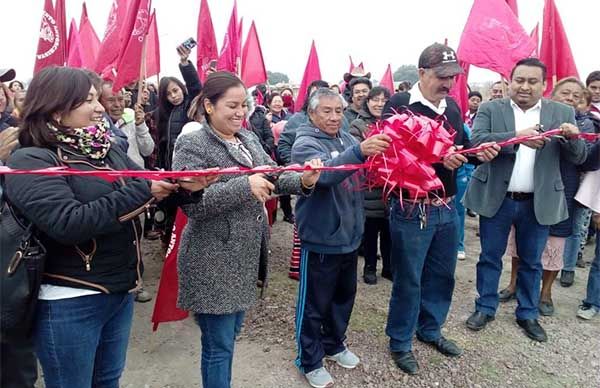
499	356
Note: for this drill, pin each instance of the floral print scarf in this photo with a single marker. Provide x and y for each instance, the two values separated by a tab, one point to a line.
92	141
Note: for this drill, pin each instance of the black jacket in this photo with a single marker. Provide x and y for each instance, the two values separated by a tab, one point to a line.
89	225
261	126
170	127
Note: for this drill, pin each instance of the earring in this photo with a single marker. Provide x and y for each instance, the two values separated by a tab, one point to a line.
209	111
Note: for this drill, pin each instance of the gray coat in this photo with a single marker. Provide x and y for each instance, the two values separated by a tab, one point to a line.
495	121
220	246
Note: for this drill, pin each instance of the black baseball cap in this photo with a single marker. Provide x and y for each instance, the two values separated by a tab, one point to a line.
441	59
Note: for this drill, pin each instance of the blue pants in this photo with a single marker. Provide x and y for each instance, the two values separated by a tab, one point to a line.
593	286
531	239
581	220
218	340
423	264
82	342
325	300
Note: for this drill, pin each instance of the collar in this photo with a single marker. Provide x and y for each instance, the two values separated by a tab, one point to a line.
417	96
537	106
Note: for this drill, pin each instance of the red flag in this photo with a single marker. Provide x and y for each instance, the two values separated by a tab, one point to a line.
50	44
130	63
387	80
513	5
207	42
555	50
108	53
460	90
90	44
239	36
253	65
230	55
152	48
74	58
493	38
61	21
165	306
535	38
312	72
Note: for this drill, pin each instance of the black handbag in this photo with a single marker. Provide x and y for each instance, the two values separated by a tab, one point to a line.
22	259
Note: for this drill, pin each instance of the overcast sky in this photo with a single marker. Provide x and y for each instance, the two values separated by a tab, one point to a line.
376	32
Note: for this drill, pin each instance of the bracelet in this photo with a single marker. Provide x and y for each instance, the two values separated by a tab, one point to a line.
304	186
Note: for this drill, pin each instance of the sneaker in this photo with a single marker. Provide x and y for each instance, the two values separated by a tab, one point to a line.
567	278
142	296
319	378
370	277
587	311
461	255
345	359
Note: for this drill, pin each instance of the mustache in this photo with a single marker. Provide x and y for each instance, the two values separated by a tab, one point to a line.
443	89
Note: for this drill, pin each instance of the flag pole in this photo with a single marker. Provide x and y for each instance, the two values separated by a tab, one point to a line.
142	71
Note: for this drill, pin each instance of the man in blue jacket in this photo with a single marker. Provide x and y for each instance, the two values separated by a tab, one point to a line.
330	227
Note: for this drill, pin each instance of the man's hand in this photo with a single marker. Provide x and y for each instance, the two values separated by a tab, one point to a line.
184	53
140	115
489	153
197	183
454	161
531	131
569	130
375	145
9	139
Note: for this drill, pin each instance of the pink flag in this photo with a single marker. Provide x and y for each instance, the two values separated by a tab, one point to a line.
555	50
253	65
230	55
387	80
239	36
152	48
50	46
493	38
90	44
312	72
207	42
513	5
361	66
351	64
165	306
108	53
74	58
460	90
129	66
535	38
61	21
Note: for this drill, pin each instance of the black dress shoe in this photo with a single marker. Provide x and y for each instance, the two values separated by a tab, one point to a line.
370	277
444	346
567	278
533	329
479	320
506	295
406	361
387	275
471	213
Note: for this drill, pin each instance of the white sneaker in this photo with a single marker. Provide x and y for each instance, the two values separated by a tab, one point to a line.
319	378
587	311
345	359
461	255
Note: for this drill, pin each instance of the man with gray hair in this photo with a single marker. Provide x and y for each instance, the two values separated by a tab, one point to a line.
330	227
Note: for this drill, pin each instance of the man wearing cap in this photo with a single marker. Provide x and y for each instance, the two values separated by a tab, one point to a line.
358	91
521	187
424	229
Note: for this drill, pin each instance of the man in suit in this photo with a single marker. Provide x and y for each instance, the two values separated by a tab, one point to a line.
521	187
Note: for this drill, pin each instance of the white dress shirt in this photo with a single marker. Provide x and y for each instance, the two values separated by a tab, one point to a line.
417	96
521	179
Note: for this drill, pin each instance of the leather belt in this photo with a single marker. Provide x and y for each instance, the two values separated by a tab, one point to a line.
435	201
517	196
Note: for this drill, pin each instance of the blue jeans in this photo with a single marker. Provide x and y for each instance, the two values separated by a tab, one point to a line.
531	239
462	181
581	220
593	286
423	264
82	342
218	340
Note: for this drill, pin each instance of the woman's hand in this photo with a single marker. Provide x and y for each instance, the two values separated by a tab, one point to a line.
184	53
310	177
140	115
197	183
161	189
261	188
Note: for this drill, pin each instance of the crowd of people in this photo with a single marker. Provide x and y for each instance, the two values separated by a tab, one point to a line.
537	202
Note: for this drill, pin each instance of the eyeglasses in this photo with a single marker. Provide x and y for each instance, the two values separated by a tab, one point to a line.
379	100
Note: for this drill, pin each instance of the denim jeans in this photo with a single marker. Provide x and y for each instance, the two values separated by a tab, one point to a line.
82	342
593	285
462	181
423	264
581	220
531	239
218	340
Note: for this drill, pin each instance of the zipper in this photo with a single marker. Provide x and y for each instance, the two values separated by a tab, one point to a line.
139	282
134	213
87	258
70	279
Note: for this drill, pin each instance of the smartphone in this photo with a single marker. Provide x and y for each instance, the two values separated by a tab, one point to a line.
190	43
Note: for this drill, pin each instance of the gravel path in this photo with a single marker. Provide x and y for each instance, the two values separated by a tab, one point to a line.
499	356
